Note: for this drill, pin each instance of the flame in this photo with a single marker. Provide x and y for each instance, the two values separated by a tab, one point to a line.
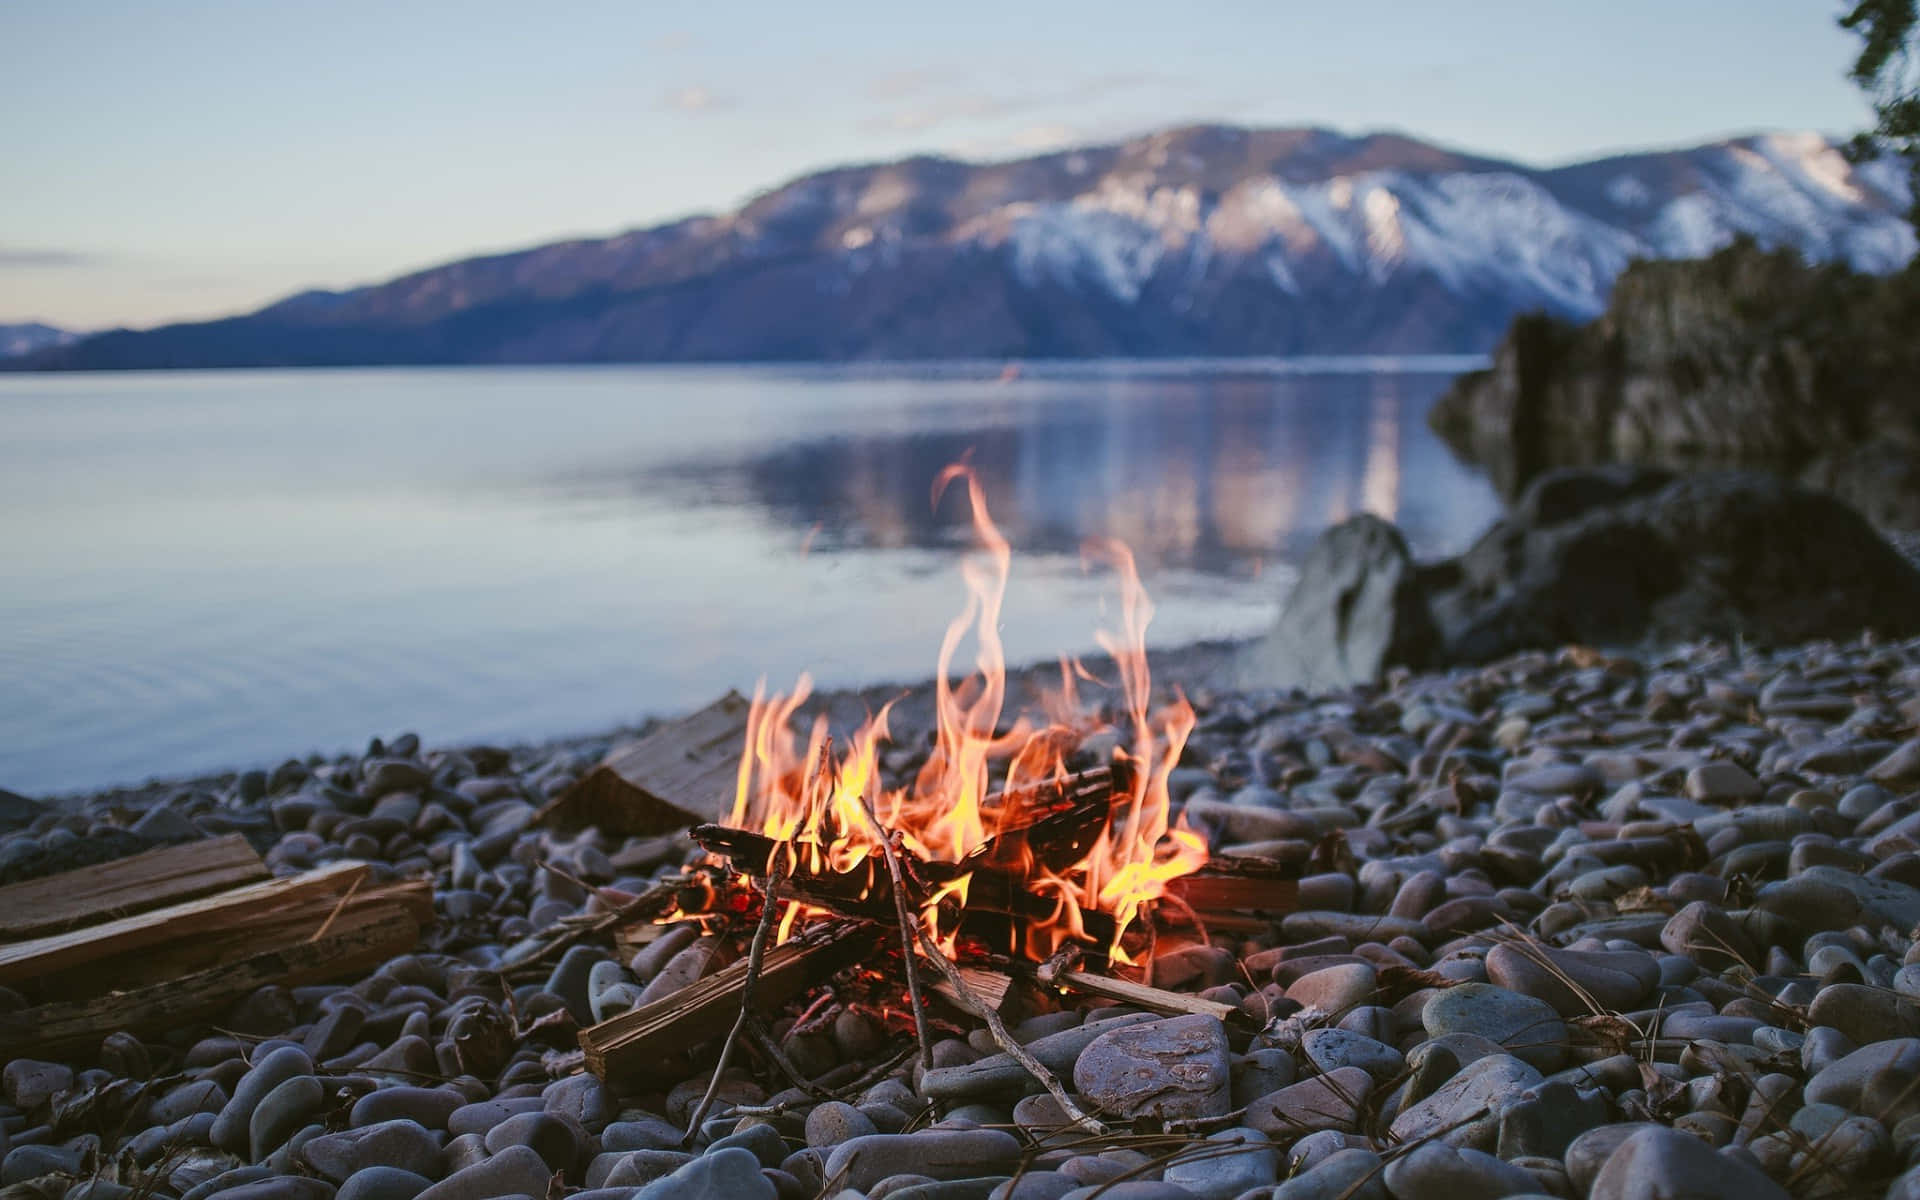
827	811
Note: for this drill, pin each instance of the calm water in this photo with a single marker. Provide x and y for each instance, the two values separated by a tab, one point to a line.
200	571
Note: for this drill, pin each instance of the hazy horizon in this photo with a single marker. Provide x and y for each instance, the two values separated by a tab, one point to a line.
207	158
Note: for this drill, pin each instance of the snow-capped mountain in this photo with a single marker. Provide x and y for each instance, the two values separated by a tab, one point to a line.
1200	240
24	339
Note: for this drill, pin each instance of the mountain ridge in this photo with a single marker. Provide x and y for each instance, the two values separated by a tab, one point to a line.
1205	239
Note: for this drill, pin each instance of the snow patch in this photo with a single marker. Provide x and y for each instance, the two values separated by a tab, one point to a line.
1629	191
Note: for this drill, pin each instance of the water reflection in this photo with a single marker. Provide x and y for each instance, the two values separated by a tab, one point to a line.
1217	474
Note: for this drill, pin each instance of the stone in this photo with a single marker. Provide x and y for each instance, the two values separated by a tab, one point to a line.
1663	1164
231	1127
1352	1174
1823	897
407	1145
1227	1175
1333	989
636	1168
1481	1086
1721	783
30	1082
382	1183
1330	1101
1529	1028
1617	980
936	1153
834	1122
1330	1049
515	1171
283	1111
762	1141
1864	1013
999	1074
726	1174
556	1141
1356	609
1435	1169
1881	1080
430	1107
1170	1069
1545	1119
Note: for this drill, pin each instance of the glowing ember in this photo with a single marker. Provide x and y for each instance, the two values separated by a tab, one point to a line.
823	806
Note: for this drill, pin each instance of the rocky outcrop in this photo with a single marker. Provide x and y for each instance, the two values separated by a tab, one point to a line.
1746	358
1606	556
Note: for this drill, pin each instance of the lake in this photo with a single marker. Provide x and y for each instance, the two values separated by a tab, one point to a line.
226	569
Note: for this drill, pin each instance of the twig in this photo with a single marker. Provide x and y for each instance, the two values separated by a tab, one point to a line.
779	1059
755	953
998	1029
909	928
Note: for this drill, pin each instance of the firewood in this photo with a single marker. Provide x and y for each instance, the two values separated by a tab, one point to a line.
90	895
628	1047
351	946
1237	892
681	774
989	987
1153	999
182	938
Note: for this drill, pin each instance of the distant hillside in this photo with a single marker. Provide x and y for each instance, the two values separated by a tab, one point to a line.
1196	241
19	340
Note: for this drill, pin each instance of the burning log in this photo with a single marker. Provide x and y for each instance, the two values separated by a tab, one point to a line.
626	1047
681	774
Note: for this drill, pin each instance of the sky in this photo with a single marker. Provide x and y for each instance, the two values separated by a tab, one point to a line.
190	158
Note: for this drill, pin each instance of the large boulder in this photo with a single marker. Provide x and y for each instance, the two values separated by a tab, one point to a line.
1358	608
1609	556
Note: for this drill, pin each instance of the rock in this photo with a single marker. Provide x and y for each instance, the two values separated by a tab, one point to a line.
1330	1049
1172	1068
1821	898
935	1153
1881	1080
515	1171
637	1168
725	1174
1228	1175
382	1183
1900	768
231	1127
1710	936
762	1141
1355	610
1330	1101
407	1145
283	1111
1865	1014
1333	989
1663	1164
1545	1119
997	1074
1440	1170
834	1122
1344	1175
30	1082
427	1106
556	1141
1618	980
1527	1027
1721	783
1481	1086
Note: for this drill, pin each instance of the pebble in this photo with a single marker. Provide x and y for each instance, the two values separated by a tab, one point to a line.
724	1174
1526	1026
1329	1101
1225	1176
1170	1069
515	1171
1663	1164
936	1153
407	1145
1434	1169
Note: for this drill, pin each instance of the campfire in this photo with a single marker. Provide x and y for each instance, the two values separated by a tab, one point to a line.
1035	848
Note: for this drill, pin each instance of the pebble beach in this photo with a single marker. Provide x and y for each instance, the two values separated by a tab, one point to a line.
1577	924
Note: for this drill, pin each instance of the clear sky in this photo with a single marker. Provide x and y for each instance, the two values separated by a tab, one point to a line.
185	158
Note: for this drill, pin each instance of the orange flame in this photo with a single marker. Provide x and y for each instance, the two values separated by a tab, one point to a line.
823	808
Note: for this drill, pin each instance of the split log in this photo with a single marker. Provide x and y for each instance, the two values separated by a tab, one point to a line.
351	946
681	774
629	1046
989	987
183	938
1152	999
1234	893
90	895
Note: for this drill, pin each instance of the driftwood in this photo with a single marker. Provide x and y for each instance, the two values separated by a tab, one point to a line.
87	896
681	774
352	945
179	939
628	1047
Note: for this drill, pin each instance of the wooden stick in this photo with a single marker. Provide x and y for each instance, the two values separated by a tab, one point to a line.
756	952
635	1042
356	943
1153	999
90	895
909	931
1015	1050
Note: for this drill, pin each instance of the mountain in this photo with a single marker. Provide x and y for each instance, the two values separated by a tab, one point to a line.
1201	240
19	340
